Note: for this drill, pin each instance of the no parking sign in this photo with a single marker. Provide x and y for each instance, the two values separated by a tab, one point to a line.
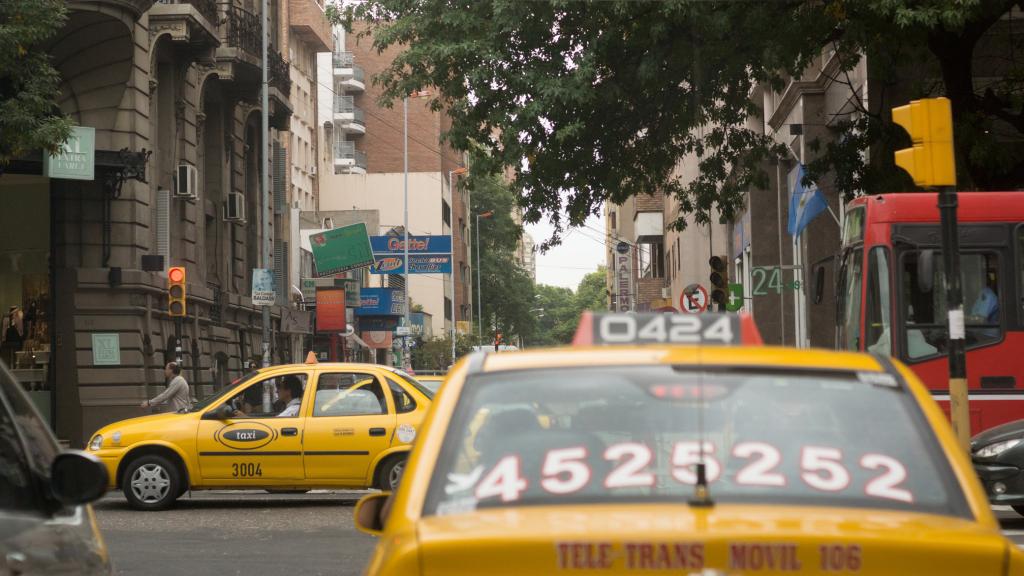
694	299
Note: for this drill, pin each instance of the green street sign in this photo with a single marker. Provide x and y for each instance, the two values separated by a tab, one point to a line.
735	301
767	279
341	249
77	158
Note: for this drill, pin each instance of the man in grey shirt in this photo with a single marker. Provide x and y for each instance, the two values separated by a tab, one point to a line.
177	392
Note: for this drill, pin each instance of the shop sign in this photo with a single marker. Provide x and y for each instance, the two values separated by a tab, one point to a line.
623	280
263	287
351	286
381	302
420	264
77	158
441	244
380	340
106	349
308	288
330	310
341	249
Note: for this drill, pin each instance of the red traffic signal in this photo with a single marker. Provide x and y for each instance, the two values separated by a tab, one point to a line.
176	292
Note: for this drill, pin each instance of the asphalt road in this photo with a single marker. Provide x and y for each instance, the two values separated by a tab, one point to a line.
251	533
255	533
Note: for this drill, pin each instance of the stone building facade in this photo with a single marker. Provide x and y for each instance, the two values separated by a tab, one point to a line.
172	90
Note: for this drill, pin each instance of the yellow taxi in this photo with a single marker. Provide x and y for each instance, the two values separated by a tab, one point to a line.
432	381
343	426
711	458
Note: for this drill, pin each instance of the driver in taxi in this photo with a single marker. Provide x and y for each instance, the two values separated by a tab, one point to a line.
290	392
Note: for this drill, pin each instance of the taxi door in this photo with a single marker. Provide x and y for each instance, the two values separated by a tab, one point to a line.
254	444
351	422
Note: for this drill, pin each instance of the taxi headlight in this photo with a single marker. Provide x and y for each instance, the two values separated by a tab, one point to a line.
96	443
997	448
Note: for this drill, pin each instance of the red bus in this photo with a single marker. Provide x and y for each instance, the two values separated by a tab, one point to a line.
890	297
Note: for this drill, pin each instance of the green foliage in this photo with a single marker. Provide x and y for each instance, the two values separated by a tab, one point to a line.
562	308
29	85
435	354
587	101
592	293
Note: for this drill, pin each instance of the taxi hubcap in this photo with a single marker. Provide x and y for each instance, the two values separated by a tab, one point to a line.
396	475
150	483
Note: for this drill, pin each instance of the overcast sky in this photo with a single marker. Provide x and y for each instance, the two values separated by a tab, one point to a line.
581	251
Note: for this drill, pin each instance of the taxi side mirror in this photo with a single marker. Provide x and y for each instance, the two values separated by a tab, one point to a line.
371	513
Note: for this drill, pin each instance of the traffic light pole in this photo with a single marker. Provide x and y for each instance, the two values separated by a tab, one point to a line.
177	342
958	409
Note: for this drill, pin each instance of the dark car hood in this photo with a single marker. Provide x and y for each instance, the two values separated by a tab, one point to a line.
65	544
1002	432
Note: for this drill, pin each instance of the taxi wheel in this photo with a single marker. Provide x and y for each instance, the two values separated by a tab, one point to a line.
390	474
151	482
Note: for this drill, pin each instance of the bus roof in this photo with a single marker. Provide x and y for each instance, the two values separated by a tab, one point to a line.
923	207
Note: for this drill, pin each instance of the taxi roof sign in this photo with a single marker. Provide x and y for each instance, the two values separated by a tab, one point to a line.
709	329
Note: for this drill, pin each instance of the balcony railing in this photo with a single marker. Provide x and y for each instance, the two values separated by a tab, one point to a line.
346	150
358	74
208	8
344	60
277	72
346	105
244	30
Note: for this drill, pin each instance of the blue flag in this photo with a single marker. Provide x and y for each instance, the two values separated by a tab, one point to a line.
805	203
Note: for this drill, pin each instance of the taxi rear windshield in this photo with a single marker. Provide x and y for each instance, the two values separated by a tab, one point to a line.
635	434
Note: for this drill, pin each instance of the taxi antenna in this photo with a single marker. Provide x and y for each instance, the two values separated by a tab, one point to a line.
701	494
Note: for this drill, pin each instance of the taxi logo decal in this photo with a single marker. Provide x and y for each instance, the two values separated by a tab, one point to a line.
246	435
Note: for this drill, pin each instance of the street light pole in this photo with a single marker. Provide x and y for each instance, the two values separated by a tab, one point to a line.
264	171
479	302
406	363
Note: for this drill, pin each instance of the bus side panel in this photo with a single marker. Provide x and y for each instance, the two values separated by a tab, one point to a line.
989	406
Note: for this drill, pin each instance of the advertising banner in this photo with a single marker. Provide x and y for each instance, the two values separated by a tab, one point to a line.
330	310
377	339
341	249
441	244
263	287
381	302
421	264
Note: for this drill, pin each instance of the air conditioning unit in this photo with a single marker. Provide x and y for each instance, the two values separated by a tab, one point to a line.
234	208
666	292
187	182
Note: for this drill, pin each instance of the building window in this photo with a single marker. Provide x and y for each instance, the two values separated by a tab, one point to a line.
446	213
652	259
612	216
447	308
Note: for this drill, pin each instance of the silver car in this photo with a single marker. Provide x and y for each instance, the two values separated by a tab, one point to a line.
46	524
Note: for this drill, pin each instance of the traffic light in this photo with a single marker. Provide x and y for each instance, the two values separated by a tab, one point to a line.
497	340
719	281
930	124
176	291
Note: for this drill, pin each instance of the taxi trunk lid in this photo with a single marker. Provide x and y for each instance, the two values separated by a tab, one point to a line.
725	540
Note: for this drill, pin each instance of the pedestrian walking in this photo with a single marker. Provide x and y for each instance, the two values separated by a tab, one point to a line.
177	392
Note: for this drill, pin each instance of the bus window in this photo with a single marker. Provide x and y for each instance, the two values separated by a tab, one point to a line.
849	305
924	313
853	226
879	303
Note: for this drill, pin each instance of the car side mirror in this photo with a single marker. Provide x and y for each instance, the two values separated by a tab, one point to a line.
926	271
371	513
78	477
222	412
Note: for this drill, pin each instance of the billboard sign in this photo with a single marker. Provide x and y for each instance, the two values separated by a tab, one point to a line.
421	264
381	302
341	249
427	254
441	244
330	310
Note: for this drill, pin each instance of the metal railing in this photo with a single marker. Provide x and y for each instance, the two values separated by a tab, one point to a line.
208	8
277	73
358	74
346	105
344	60
346	150
243	30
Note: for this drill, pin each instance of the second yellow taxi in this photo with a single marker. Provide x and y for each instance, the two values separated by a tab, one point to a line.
291	427
710	458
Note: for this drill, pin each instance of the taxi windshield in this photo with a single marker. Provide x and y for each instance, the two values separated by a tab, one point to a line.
635	434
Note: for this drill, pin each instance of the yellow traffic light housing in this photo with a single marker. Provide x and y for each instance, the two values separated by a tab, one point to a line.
930	124
176	292
719	280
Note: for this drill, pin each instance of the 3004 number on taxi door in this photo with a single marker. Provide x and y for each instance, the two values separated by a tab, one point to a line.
246	470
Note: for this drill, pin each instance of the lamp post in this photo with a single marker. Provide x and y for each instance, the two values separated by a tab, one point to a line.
406	361
479	303
458	171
